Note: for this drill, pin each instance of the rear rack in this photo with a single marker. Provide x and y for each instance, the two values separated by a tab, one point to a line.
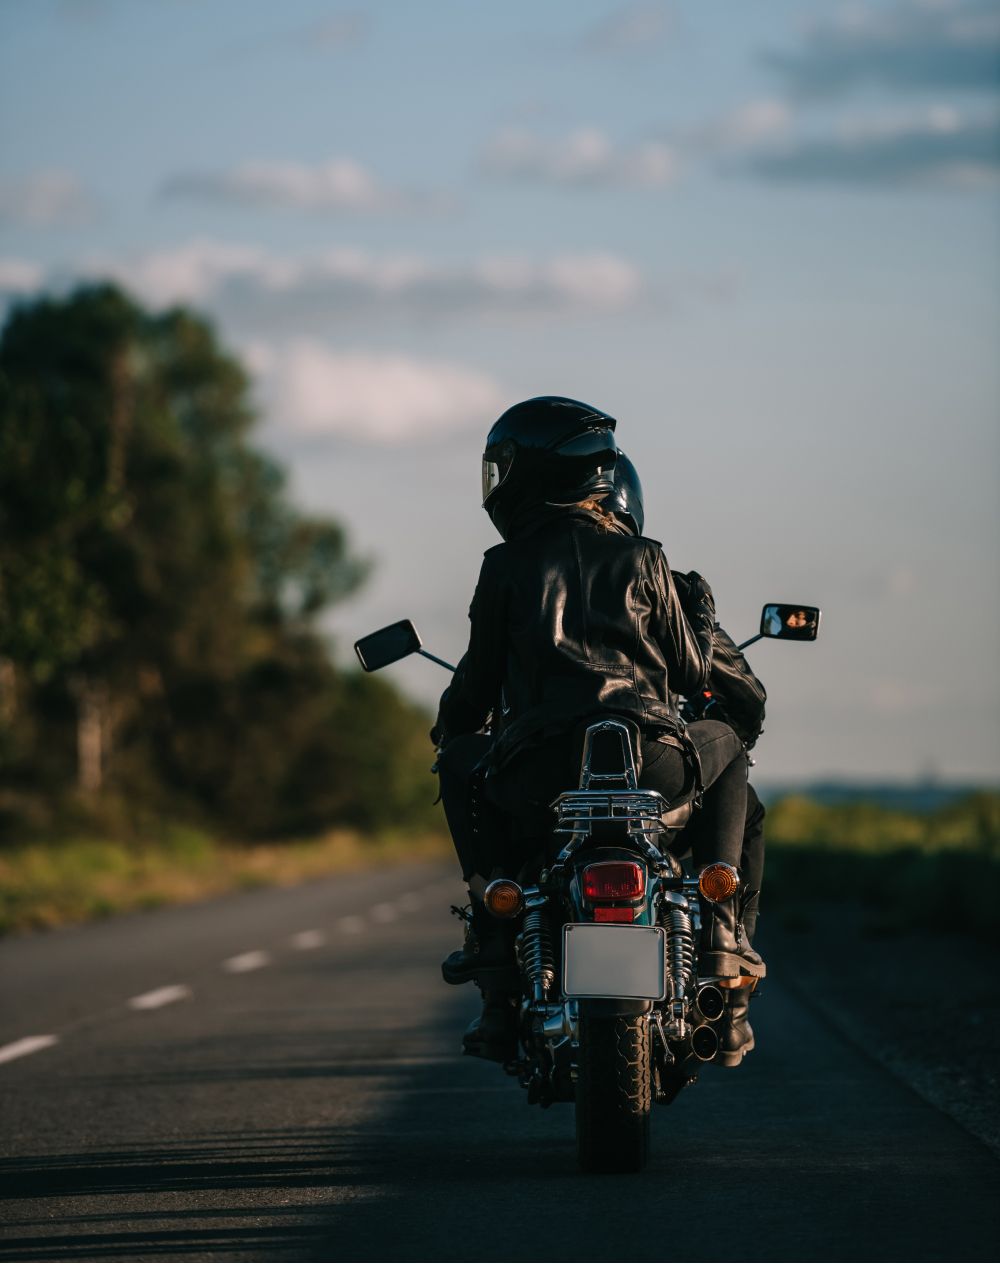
641	811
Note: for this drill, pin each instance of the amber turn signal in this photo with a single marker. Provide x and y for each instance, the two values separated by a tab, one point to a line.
503	898
718	882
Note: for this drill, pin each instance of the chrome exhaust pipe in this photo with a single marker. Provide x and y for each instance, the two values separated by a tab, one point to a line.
711	1002
704	1043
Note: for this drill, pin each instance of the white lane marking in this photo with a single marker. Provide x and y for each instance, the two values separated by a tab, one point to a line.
28	1044
409	902
351	925
383	913
243	962
161	996
307	939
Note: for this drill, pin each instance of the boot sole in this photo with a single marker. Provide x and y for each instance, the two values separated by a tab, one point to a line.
733	1057
728	965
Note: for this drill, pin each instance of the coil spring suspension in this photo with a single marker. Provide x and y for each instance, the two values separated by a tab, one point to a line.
680	966
535	952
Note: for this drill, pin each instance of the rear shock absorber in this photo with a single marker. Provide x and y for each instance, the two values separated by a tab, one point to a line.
535	952
676	921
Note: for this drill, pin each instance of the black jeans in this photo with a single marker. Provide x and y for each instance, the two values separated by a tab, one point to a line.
477	832
529	783
478	812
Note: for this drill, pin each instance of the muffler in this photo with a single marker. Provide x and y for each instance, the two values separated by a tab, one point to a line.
704	1043
711	1002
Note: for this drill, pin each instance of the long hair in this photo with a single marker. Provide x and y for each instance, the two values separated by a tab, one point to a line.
605	521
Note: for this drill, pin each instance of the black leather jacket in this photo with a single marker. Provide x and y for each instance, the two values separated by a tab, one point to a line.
737	696
570	620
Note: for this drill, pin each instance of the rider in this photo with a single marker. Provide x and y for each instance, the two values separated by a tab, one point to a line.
573	617
735	696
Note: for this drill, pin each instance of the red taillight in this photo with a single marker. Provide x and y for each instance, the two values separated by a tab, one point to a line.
614	880
604	914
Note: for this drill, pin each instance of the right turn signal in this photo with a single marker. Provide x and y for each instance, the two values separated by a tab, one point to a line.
718	882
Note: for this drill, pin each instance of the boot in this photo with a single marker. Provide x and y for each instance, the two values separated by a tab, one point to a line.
725	949
485	954
493	1035
749	901
735	1032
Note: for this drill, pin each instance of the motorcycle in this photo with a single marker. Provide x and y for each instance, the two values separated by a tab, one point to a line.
614	1012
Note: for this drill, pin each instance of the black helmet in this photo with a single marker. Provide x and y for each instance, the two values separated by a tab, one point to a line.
548	450
625	499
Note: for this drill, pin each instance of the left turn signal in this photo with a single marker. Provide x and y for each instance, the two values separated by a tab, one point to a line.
503	898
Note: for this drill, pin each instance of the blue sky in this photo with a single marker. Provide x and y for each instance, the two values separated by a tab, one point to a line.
763	236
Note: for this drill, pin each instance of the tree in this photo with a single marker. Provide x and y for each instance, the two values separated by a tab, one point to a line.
156	581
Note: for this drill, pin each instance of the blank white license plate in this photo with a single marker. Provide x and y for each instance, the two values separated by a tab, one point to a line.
612	960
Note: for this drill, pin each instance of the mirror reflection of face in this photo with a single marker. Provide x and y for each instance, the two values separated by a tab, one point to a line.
797	619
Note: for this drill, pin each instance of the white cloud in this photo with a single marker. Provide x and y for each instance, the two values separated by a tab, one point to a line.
44	199
340	185
633	27
19	276
912	45
747	125
585	158
313	391
935	147
354	283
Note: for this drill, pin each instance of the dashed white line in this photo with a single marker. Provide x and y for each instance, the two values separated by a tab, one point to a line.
244	962
28	1044
306	939
161	996
351	925
383	913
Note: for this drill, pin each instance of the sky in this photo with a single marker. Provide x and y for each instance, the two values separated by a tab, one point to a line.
763	237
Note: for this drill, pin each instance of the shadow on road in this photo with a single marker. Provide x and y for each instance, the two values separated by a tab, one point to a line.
809	1151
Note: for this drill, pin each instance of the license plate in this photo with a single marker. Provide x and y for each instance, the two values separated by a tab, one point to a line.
614	961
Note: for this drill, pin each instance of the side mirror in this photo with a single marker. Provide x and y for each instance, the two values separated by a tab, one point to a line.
388	645
790	623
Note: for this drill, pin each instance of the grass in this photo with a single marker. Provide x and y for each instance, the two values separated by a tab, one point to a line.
53	883
936	870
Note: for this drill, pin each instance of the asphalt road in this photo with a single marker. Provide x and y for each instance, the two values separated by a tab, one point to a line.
275	1076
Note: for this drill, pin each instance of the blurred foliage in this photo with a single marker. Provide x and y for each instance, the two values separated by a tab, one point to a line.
76	879
158	598
936	871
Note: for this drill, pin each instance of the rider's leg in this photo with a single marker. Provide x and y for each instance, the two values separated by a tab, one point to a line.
718	836
752	862
477	836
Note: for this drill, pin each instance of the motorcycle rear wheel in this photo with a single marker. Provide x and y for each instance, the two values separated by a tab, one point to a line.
613	1093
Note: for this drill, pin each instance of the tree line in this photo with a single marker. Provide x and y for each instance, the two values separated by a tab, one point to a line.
159	596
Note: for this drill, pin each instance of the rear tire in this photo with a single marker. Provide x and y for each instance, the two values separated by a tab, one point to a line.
613	1094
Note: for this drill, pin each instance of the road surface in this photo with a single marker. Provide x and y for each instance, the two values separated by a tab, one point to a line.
274	1075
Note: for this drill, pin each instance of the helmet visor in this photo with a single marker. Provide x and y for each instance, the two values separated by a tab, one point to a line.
496	467
491	478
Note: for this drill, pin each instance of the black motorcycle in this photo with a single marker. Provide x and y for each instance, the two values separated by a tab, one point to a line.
614	1012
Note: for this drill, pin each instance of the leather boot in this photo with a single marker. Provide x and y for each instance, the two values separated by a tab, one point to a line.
735	1032
749	901
725	949
486	953
493	1035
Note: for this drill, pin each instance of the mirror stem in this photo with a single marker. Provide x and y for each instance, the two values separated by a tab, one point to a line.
743	644
434	659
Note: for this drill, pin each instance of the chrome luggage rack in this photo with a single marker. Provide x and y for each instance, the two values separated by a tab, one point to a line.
613	795
641	811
